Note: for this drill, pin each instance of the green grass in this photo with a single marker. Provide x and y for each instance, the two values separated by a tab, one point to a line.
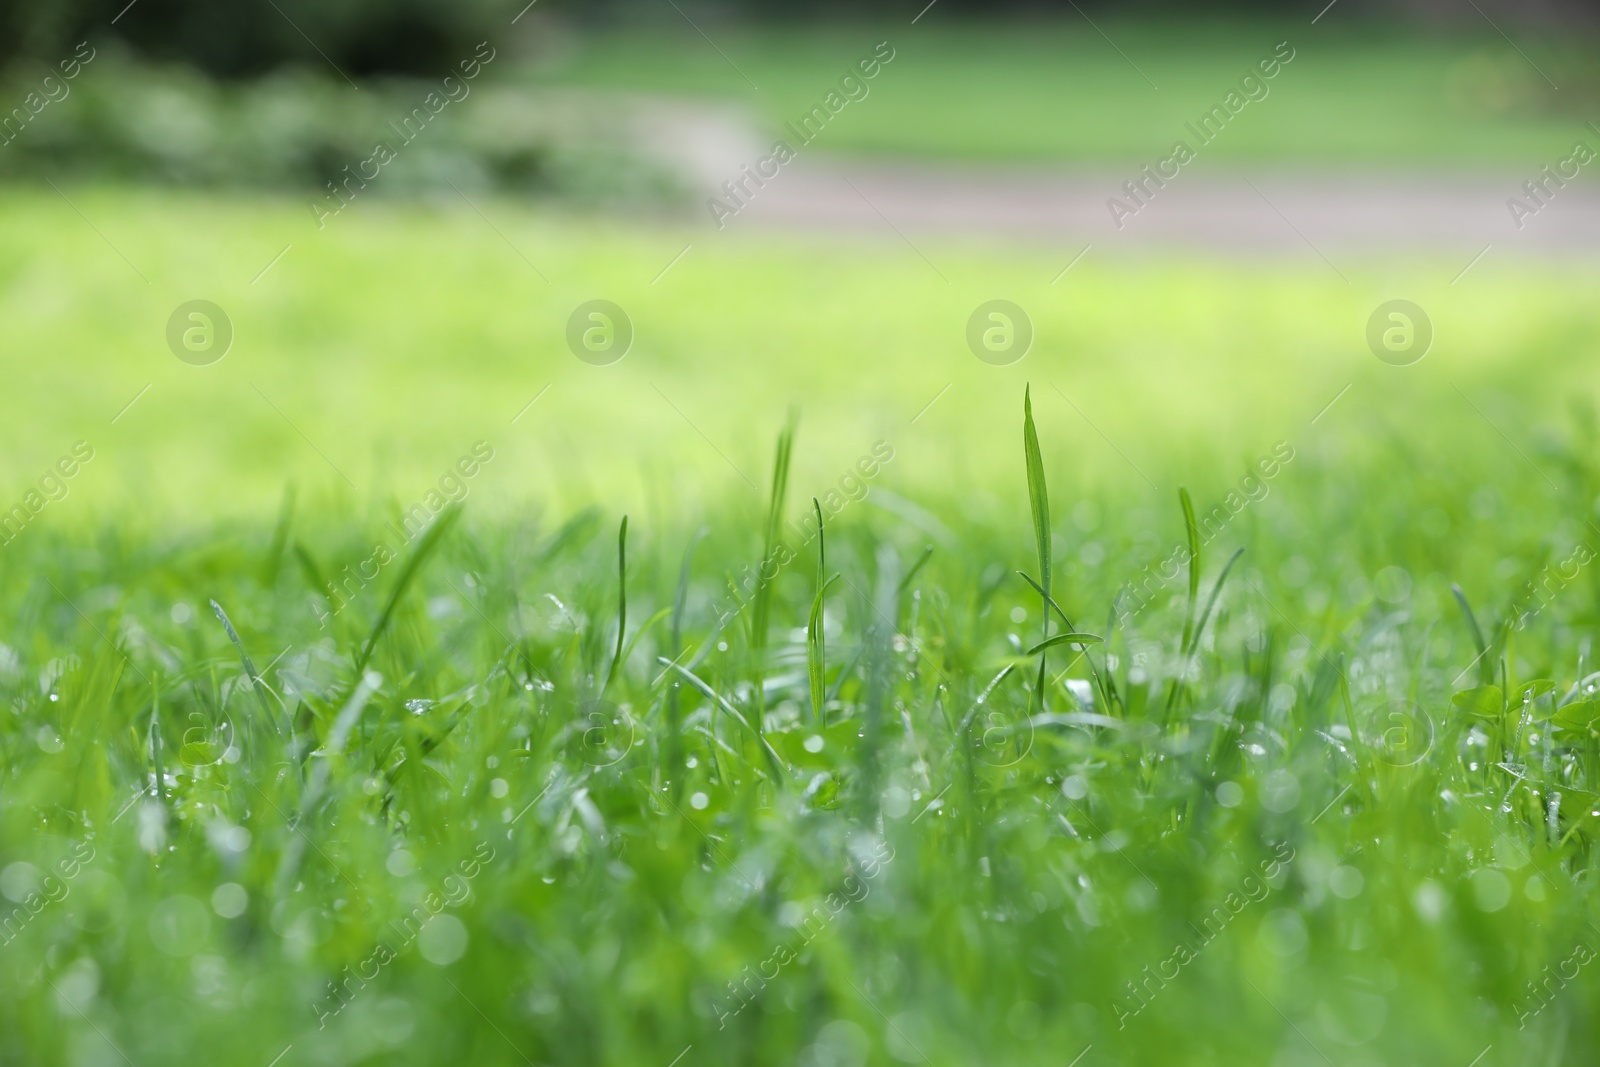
609	842
1059	92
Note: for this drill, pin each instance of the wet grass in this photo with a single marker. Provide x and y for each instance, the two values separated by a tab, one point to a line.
588	790
937	727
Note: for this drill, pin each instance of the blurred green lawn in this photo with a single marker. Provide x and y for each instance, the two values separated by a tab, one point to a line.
375	352
1060	91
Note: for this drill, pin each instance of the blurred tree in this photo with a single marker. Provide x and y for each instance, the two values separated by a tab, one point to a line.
243	38
248	37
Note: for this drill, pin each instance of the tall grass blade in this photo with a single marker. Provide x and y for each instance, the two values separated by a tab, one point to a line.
816	652
1211	601
927	554
1039	503
1191	531
763	597
1192	640
1038	498
425	548
622	600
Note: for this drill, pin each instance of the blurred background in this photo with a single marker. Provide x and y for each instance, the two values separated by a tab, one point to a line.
399	207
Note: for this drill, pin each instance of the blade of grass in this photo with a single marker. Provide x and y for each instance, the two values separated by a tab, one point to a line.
816	659
972	712
633	642
927	553
763	596
1038	497
622	600
425	548
816	651
1064	639
1113	698
1216	590
1485	668
1101	682
1048	599
1192	645
250	670
1039	503
1192	533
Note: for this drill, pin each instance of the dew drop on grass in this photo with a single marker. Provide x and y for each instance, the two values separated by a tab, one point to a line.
19	881
229	900
812	744
699	801
1345	882
1429	899
1491	890
443	940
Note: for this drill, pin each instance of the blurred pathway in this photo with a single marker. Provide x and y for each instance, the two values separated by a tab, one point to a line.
1265	210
